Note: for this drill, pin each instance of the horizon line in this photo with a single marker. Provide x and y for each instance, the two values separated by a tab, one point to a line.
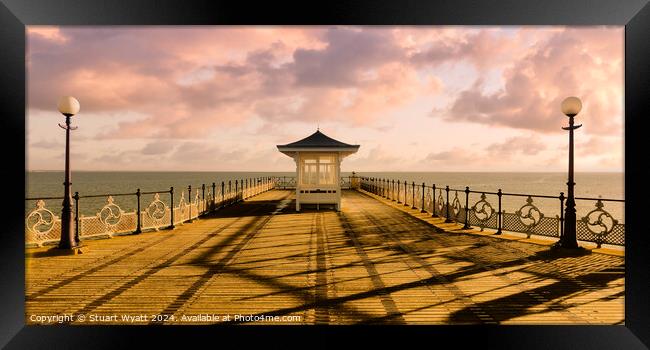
293	171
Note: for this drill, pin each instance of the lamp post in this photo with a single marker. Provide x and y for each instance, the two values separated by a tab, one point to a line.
571	106
68	106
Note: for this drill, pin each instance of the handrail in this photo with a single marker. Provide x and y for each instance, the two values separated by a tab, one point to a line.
504	193
43	225
597	226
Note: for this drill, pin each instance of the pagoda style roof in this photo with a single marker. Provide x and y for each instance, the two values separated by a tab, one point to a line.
317	142
318	139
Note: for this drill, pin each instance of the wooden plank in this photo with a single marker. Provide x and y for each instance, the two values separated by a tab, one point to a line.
374	262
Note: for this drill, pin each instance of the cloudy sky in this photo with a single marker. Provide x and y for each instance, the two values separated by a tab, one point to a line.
215	98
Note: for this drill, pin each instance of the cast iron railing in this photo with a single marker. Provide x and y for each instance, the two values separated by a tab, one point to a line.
43	226
486	210
289	182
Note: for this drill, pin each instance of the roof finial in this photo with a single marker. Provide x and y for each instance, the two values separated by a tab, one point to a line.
317	126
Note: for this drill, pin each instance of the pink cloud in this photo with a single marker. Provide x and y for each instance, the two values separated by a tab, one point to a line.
526	145
191	82
355	76
580	62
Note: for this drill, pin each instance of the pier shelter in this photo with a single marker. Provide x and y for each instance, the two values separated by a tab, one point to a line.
318	168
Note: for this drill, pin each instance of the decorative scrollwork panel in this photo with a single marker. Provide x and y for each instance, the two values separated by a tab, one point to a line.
529	215
456	208
428	200
599	226
110	215
440	204
481	213
156	214
42	225
40	221
183	213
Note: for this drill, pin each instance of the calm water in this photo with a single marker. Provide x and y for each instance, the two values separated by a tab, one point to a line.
607	185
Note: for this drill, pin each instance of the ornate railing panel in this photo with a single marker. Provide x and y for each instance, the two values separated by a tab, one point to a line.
156	214
43	226
285	182
486	210
600	226
483	214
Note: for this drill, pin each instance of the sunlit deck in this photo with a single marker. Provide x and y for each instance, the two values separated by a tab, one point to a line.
373	262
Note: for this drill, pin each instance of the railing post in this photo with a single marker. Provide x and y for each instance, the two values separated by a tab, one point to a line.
392	190
413	194
499	217
433	201
189	200
171	209
398	186
388	190
384	188
405	192
138	227
447	206
422	209
76	217
223	194
229	191
214	196
377	190
467	226
561	215
203	196
236	191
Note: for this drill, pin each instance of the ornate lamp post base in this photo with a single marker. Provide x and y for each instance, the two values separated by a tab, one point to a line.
76	250
558	249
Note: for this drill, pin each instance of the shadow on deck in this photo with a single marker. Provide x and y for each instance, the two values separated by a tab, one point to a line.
259	261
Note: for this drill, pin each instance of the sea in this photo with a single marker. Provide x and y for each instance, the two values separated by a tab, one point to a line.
588	184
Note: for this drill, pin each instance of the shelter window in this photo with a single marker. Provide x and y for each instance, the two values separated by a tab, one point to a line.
319	170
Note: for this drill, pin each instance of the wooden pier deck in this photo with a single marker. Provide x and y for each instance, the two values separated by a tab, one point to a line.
260	262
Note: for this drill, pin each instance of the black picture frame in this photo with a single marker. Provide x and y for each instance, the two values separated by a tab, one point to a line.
633	14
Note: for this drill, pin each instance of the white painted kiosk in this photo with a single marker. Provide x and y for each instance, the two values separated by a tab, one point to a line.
318	168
